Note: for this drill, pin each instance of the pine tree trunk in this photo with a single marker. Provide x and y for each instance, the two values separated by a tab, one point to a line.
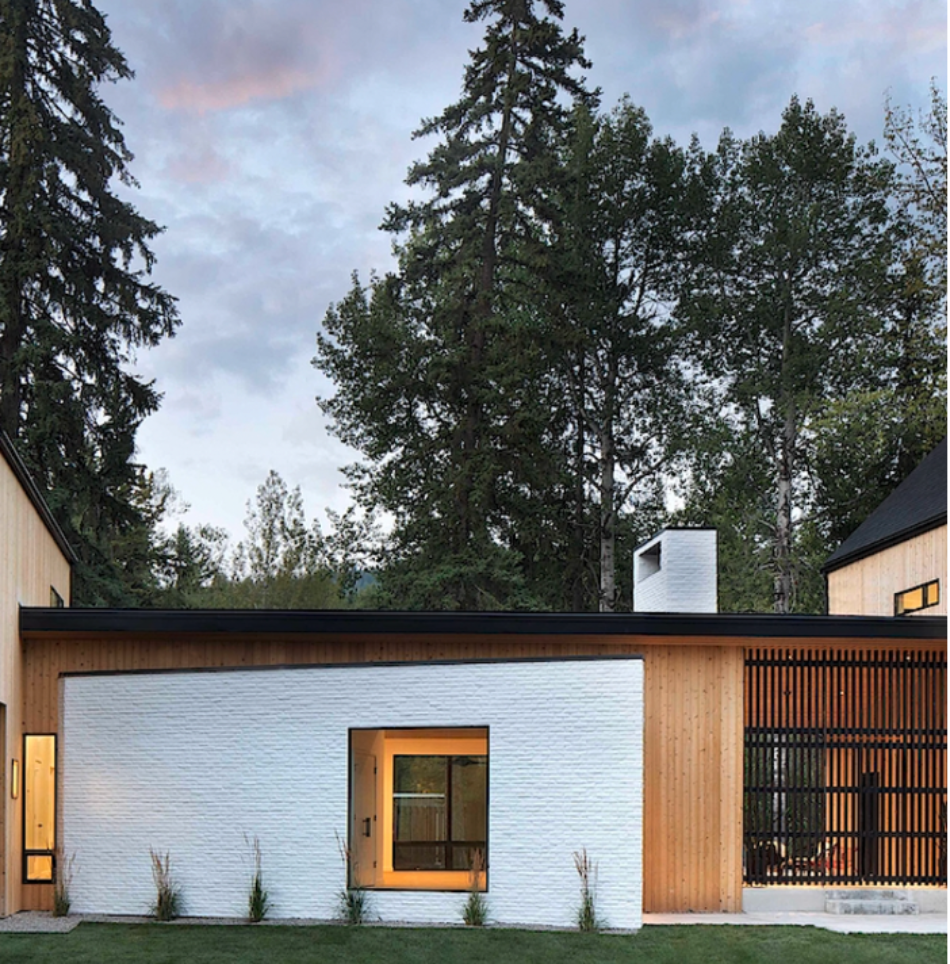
12	254
608	523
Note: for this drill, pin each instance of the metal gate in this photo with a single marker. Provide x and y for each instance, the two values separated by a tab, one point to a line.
845	767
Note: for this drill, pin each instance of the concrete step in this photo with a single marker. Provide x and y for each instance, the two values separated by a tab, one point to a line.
869	902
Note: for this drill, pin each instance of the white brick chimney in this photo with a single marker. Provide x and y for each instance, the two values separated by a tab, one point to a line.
675	572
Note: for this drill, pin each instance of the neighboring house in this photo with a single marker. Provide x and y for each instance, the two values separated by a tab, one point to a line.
895	562
694	755
35	570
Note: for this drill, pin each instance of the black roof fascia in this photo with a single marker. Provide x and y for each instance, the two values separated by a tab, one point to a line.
22	473
158	621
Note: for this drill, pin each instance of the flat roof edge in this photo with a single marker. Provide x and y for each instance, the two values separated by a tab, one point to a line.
43	620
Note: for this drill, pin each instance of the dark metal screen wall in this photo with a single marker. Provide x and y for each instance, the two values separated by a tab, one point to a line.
845	767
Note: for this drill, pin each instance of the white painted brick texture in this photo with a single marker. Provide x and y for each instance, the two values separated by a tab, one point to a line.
192	763
687	579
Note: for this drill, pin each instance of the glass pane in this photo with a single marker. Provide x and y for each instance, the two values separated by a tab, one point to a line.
912	599
414	856
469	798
419	784
39	868
40	790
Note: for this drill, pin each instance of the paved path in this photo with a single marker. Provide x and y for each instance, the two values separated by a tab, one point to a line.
39	922
841	923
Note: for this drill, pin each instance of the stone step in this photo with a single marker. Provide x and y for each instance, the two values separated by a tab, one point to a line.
878	902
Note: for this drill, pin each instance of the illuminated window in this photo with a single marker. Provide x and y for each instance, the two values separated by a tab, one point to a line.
419	808
920	597
39	808
440	811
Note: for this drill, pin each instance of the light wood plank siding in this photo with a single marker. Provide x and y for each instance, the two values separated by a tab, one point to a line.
693	727
867	587
30	563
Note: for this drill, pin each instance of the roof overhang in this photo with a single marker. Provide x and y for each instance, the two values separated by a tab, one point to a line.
37	622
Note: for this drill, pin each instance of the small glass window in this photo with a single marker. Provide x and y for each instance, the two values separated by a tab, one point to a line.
920	597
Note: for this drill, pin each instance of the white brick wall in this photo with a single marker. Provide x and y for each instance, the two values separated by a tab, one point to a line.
686	581
191	762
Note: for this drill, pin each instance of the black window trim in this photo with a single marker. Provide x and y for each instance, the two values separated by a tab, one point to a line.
449	843
483	727
40	853
926	605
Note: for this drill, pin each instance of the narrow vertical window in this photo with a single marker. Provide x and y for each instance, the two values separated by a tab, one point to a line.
39	808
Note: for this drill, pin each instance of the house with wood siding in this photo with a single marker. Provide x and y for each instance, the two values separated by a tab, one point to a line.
702	760
895	562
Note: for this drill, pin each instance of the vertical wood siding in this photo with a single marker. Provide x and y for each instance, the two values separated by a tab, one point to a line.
693	739
30	563
867	586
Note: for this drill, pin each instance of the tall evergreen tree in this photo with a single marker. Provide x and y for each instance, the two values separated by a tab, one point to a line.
786	300
436	367
627	220
75	295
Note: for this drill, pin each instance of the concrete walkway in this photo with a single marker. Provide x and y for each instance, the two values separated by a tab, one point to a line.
40	922
840	923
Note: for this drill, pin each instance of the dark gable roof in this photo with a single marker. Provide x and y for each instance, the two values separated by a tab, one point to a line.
917	505
19	469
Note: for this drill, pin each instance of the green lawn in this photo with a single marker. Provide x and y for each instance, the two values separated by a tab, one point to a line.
157	944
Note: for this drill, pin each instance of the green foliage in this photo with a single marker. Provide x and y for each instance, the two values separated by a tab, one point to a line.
354	905
920	146
258	900
475	910
627	216
587	919
353	900
76	300
281	563
65	871
787	298
330	944
168	901
438	368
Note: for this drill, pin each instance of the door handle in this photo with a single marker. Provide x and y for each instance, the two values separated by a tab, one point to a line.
367	826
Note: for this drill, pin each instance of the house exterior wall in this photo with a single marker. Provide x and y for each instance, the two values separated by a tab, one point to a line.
196	763
867	587
30	563
692	740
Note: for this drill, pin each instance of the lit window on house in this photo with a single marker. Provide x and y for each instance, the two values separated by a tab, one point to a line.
920	597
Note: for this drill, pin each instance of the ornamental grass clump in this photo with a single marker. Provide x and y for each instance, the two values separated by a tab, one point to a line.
475	911
353	900
258	900
587	919
167	904
64	881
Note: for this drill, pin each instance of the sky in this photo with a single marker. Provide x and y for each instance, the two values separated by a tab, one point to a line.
270	135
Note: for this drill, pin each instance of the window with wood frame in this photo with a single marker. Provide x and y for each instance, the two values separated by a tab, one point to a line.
39	808
419	808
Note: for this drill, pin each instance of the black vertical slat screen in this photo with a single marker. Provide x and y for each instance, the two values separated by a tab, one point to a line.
845	767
